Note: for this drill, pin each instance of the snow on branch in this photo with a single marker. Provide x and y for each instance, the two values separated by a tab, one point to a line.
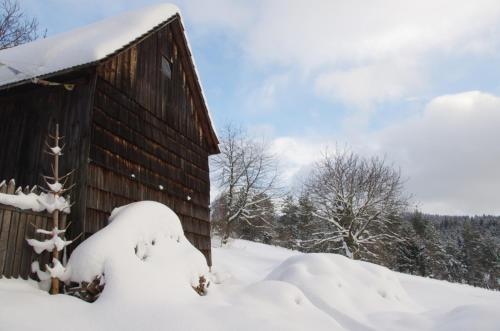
58	270
355	200
49	245
52	202
56	150
42	275
52	232
246	174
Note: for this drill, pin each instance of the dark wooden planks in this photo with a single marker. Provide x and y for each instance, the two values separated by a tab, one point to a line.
136	73
28	114
15	226
151	136
16	255
5	229
108	190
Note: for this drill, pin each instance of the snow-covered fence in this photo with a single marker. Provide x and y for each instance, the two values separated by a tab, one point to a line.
20	216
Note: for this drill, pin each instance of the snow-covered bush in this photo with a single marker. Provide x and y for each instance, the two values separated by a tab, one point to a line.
141	253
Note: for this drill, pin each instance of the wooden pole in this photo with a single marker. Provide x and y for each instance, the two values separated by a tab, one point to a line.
54	289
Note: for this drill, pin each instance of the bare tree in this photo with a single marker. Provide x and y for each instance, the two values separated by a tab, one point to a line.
15	27
355	200
246	175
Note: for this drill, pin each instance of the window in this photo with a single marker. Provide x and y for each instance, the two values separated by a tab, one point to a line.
166	67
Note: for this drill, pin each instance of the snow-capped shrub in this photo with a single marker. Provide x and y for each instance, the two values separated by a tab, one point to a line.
141	253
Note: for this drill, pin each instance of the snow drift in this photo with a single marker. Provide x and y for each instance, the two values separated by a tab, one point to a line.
141	253
347	290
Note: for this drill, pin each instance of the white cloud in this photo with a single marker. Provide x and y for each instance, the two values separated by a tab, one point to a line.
364	86
450	153
264	97
295	154
315	33
233	16
360	52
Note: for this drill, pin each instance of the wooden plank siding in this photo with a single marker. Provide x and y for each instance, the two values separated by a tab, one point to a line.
16	225
16	255
28	114
149	140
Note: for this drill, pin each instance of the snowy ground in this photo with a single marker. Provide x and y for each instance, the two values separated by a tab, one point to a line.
363	296
254	286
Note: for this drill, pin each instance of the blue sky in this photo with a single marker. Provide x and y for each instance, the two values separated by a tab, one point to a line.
417	82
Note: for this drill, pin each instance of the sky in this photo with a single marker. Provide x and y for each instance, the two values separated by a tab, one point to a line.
414	81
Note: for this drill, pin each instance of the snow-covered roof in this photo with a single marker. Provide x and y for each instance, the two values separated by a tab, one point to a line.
80	46
86	45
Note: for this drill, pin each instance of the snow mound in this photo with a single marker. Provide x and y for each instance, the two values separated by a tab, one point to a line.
141	253
277	305
258	263
349	291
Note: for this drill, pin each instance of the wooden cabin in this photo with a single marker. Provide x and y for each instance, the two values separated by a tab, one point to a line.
127	97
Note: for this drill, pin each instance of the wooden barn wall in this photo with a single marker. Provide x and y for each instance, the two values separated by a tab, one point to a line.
27	115
148	140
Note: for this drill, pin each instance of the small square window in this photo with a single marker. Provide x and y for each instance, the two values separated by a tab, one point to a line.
166	67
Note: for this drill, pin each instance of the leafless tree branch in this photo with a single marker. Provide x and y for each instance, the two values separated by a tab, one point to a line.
15	27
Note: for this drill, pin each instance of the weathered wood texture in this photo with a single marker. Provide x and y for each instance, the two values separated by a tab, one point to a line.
16	225
28	114
150	135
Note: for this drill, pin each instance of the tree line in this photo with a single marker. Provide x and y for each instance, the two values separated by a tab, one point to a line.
350	205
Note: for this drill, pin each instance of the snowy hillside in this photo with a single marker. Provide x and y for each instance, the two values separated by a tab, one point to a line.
254	286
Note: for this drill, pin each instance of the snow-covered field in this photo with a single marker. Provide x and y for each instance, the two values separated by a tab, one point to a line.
254	287
359	295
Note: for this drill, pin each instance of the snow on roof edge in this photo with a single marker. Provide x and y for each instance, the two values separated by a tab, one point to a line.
197	75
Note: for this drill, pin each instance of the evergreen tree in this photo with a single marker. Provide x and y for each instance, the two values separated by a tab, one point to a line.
435	255
409	252
287	227
480	255
305	221
456	267
422	252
